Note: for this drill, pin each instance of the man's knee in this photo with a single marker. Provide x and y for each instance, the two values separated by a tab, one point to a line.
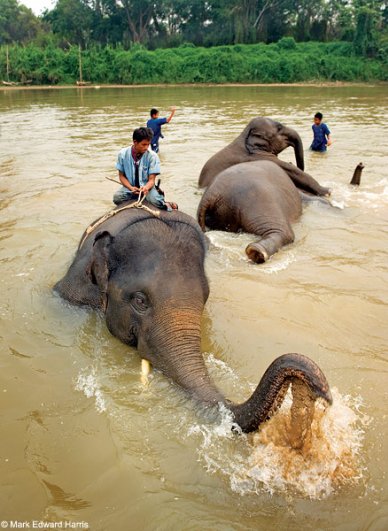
155	198
120	196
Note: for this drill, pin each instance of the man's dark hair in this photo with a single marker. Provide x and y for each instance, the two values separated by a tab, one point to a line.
142	133
318	115
153	112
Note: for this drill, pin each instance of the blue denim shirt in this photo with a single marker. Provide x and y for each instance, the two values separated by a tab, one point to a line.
321	133
149	164
156	125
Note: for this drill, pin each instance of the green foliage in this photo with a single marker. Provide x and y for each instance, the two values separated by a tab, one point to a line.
146	24
284	62
287	43
216	41
72	20
17	23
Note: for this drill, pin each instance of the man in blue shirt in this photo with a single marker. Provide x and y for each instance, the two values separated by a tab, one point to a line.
322	134
138	168
155	123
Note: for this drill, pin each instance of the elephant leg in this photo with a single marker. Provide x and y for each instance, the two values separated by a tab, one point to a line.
204	205
308	198
216	212
303	180
260	251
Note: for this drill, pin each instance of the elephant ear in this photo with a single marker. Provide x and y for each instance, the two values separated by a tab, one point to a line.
256	141
99	268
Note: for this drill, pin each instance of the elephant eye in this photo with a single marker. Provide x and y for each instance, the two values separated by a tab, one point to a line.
139	301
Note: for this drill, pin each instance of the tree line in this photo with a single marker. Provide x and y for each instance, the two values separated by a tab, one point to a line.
283	62
179	41
170	23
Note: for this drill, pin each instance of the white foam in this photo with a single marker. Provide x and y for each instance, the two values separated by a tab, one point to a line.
338	204
231	252
373	196
220	367
278	263
254	464
87	383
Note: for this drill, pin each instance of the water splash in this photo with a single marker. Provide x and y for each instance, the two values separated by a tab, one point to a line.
279	262
371	196
88	384
266	461
230	251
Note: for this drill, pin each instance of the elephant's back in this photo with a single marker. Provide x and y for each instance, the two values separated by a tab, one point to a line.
262	181
263	175
227	157
117	220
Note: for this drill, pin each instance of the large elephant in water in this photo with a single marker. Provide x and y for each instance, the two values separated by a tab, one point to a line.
263	139
257	197
145	271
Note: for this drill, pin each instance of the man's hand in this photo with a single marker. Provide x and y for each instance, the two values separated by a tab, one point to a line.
172	112
145	189
124	181
151	183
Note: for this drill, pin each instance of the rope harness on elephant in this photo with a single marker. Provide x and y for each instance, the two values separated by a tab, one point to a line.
111	213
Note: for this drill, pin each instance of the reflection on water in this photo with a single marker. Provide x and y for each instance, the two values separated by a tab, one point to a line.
82	437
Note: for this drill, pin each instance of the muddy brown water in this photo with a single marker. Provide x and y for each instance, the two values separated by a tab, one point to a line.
82	439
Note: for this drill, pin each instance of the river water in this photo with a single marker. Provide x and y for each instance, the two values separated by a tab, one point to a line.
82	438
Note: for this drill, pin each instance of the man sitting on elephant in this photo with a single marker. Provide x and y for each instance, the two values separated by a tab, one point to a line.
138	168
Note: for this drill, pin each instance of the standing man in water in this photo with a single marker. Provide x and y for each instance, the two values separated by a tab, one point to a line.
322	135
138	168
155	123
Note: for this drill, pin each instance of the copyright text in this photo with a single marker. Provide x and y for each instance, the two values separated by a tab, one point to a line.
40	524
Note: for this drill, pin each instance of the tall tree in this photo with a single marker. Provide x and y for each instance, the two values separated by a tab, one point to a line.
370	25
72	20
139	15
17	23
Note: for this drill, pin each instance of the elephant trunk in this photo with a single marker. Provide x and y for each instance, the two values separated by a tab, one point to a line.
181	359
269	394
177	342
356	179
296	142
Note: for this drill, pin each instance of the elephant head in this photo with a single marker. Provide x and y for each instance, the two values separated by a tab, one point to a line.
262	138
147	275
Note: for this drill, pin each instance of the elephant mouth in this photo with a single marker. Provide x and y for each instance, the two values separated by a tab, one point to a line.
128	336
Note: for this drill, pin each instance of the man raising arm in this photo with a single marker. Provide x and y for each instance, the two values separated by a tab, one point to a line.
155	123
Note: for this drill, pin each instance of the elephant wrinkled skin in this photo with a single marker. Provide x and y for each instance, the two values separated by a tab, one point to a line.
263	139
147	275
256	197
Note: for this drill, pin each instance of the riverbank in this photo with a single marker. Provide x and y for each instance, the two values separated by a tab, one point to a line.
284	62
315	84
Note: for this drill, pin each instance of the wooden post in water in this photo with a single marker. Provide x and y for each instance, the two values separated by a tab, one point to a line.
7	58
80	64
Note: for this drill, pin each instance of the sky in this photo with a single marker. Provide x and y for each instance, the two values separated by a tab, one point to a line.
38	6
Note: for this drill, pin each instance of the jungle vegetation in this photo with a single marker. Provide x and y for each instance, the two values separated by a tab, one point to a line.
179	41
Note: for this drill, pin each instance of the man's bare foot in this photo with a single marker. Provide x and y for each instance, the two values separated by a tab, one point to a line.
171	205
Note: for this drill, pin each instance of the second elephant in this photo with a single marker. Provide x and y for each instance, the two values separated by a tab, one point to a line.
262	140
256	197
